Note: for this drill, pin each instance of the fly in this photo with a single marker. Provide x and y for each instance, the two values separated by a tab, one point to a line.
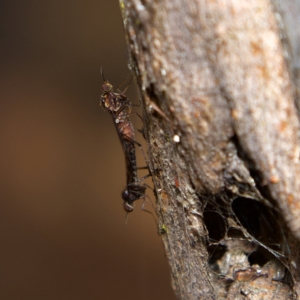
119	107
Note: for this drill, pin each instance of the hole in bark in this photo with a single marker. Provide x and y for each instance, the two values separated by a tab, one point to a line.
215	253
260	257
259	221
235	233
151	93
215	224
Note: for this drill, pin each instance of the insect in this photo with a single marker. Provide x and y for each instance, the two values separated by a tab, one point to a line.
119	107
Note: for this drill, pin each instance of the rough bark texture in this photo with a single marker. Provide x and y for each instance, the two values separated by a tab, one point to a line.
222	127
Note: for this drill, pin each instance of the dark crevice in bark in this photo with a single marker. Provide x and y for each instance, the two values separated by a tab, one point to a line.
255	173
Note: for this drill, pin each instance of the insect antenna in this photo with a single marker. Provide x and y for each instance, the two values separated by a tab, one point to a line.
102	74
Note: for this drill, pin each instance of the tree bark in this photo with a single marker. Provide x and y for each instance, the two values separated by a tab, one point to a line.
219	107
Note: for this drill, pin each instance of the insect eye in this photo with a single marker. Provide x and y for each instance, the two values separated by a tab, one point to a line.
125	195
106	87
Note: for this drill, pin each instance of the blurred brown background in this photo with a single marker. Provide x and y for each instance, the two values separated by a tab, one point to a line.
62	227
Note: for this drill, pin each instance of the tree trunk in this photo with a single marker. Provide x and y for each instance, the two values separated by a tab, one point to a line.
219	108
